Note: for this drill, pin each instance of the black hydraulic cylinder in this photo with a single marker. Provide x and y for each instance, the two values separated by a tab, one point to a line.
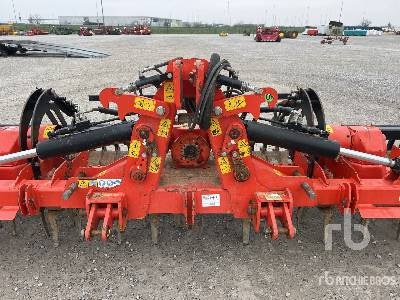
231	82
290	139
152	80
84	141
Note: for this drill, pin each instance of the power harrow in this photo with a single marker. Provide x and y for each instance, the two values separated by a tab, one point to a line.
189	138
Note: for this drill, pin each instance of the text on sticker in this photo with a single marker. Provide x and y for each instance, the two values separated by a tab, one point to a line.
145	104
235	103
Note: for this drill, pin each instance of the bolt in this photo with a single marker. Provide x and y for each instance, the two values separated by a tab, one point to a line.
309	191
234	133
169	75
251	210
138	175
160	110
144	154
217	111
223	154
144	134
235	155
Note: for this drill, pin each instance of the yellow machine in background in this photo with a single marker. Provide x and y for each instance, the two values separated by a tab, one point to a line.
6	29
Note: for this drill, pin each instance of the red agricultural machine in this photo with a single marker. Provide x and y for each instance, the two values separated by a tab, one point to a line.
85	31
137	30
267	34
36	31
190	149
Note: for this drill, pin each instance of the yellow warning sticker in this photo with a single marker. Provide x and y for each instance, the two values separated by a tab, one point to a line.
83	183
235	103
134	149
244	148
224	165
99	183
155	164
215	128
169	92
329	129
47	130
273	197
163	128
145	104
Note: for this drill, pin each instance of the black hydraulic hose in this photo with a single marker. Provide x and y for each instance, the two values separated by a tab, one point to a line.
84	141
290	139
203	113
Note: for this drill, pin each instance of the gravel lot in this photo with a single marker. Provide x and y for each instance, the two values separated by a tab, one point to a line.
359	83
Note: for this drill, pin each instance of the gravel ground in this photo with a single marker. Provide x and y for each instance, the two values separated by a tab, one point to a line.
359	83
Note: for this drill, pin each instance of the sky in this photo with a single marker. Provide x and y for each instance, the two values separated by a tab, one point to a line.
269	12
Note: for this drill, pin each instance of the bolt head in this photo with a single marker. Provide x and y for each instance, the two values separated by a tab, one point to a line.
235	133
160	110
218	111
144	134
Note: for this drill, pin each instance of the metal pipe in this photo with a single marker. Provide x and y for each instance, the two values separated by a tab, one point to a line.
367	157
18	156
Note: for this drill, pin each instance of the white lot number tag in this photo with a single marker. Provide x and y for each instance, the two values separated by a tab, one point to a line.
210	200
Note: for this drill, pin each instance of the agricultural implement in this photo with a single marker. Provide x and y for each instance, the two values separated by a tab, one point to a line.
137	30
85	31
331	39
288	34
191	149
267	34
36	31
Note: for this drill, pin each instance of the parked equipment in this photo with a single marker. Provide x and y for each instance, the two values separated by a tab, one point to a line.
267	34
137	30
189	150
85	31
288	34
6	29
36	31
331	39
34	48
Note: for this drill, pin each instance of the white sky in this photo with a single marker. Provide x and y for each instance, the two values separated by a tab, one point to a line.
289	12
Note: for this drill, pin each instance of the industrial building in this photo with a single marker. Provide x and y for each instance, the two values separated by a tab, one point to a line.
119	21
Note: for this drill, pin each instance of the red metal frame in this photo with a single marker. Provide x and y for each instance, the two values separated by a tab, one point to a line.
249	187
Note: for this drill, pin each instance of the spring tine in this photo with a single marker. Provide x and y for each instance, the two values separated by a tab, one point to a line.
52	217
102	160
44	221
14	228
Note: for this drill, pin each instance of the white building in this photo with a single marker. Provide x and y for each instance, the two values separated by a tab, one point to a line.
119	21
